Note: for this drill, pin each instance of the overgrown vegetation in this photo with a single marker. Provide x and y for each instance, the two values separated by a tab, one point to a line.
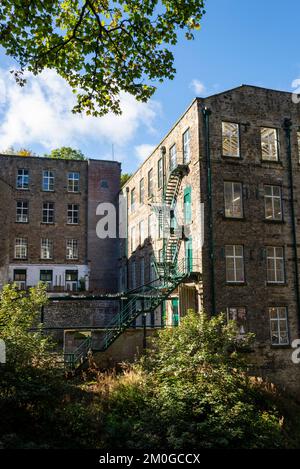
190	390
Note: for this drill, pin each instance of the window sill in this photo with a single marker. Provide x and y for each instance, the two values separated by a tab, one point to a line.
236	284
278	162
72	224
22	222
276	284
280	346
51	223
233	218
231	158
22	188
20	259
275	222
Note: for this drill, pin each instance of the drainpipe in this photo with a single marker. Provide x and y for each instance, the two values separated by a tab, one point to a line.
206	115
287	125
127	237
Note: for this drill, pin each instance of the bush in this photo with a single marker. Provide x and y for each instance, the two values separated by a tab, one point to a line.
195	392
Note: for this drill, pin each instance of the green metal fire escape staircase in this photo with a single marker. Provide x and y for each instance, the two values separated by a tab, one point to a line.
170	274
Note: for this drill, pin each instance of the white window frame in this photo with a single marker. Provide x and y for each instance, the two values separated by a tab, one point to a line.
72	214
72	251
48	181
132	239
186	140
150	182
24	175
233	209
231	138
46	248
277	260
142	191
278	316
48	212
172	157
142	234
273	197
236	258
22	211
21	248
269	144
132	199
298	142
160	173
73	181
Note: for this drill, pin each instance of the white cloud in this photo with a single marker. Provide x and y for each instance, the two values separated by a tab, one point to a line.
40	113
197	86
143	151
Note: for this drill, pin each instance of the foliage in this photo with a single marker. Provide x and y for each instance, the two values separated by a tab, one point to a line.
66	153
190	391
194	393
21	152
124	178
99	48
19	312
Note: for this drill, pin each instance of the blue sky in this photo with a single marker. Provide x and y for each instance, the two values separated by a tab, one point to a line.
254	42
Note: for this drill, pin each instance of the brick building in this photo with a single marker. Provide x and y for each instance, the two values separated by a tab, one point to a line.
230	168
48	223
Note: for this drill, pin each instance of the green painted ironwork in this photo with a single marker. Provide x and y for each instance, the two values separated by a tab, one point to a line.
75	359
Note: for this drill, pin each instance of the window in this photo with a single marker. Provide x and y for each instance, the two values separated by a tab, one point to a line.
160	173
234	264
142	271
20	277
72	249
230	139
186	147
233	193
142	191
141	232
71	275
71	280
298	140
151	226
73	182
104	184
132	239
133	274
22	212
132	199
279	325
269	144
48	212
48	181
23	179
239	315
46	276
150	183
187	205
21	248
275	264
73	214
46	249
273	204
172	158
160	224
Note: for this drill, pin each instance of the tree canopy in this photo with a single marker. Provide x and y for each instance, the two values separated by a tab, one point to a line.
99	48
66	153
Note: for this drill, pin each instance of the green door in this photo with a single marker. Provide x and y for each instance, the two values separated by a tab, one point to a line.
175	311
189	255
